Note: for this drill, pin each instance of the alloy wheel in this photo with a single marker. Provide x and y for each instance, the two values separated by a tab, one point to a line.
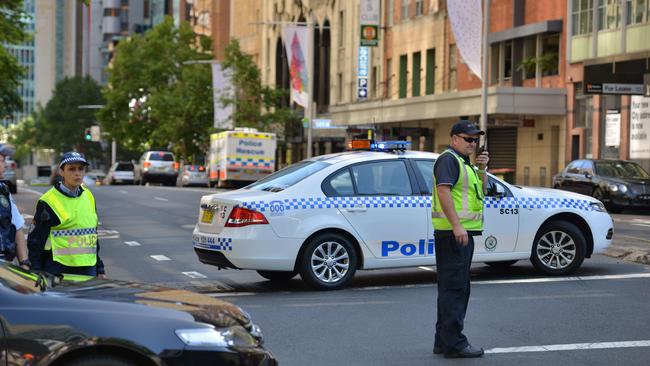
330	262
556	249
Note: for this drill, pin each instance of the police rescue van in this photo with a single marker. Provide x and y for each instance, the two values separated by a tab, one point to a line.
241	155
328	216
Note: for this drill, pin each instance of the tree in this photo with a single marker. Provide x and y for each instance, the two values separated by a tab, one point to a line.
12	31
157	95
61	123
255	105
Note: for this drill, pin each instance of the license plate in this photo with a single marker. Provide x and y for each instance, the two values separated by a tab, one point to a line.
207	216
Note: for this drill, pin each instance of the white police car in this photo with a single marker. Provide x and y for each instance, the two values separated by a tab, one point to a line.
328	216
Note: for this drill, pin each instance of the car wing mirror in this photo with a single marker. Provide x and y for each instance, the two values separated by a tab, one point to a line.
588	175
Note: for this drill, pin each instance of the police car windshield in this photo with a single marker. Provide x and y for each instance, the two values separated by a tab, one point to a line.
288	176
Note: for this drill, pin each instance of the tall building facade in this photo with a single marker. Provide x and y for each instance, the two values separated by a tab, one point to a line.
24	53
609	80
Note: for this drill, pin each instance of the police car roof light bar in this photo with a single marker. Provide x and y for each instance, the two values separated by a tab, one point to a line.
391	146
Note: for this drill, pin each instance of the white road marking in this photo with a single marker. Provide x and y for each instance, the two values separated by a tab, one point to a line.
160	257
353	303
132	243
426	268
190	226
28	216
110	237
194	274
31	191
527	280
570	347
556	297
123	191
644	225
160	199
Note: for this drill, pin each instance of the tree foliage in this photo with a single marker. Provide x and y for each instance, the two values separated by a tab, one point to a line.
157	95
255	105
12	31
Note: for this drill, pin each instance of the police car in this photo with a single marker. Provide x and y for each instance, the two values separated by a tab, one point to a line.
331	215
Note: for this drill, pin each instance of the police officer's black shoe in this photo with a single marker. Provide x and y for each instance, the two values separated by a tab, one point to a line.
467	352
438	350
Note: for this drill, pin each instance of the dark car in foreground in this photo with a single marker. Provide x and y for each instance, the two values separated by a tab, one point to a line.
116	323
617	183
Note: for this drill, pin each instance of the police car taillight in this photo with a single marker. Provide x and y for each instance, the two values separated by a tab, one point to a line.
240	216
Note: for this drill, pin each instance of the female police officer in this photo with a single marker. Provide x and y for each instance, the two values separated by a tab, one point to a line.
63	236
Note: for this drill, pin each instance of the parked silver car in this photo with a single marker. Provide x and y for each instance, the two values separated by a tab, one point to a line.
120	173
193	175
156	167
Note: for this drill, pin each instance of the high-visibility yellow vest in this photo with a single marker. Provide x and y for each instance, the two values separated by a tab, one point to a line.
467	194
74	241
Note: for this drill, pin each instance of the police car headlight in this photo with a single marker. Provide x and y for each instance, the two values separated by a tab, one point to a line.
622	188
597	206
612	187
212	337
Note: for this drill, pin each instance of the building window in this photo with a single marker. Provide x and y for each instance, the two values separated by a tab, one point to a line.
373	82
341	28
507	60
452	67
637	11
549	60
582	16
391	13
528	65
415	87
419	7
430	87
340	86
402	76
405	9
389	78
609	14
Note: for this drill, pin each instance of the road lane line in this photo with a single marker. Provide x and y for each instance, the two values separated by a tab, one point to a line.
632	237
123	191
194	274
353	303
570	347
132	243
160	257
30	191
556	297
161	199
644	225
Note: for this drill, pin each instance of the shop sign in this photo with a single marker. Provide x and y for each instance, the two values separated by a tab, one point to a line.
363	72
640	128
613	128
369	16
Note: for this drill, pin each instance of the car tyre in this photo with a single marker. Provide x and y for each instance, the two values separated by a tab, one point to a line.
328	262
101	360
559	248
501	264
277	276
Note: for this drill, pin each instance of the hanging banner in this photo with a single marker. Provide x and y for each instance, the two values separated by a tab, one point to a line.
221	89
295	42
369	15
640	128
466	18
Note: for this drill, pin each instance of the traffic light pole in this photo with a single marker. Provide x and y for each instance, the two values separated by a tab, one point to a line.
114	142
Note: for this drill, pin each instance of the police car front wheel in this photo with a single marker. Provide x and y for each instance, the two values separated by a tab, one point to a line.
559	248
328	262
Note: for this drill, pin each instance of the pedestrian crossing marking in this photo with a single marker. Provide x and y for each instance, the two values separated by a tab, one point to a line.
194	274
132	243
160	257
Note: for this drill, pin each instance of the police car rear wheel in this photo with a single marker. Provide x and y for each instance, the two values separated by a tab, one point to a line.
328	262
559	248
277	275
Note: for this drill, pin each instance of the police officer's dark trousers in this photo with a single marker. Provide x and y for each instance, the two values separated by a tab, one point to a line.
452	263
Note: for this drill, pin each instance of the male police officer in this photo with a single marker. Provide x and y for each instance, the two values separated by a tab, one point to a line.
457	215
12	235
63	237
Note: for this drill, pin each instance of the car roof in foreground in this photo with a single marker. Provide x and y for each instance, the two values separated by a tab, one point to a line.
361	155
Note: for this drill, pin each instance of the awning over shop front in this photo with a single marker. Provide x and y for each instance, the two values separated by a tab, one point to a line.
501	100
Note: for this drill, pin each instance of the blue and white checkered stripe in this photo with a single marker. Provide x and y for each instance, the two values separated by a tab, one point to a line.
412	202
74	232
252	162
221	244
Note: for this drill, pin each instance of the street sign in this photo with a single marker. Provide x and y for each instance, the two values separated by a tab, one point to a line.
369	15
363	72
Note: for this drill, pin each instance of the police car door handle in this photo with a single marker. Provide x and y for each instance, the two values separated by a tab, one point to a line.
357	208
